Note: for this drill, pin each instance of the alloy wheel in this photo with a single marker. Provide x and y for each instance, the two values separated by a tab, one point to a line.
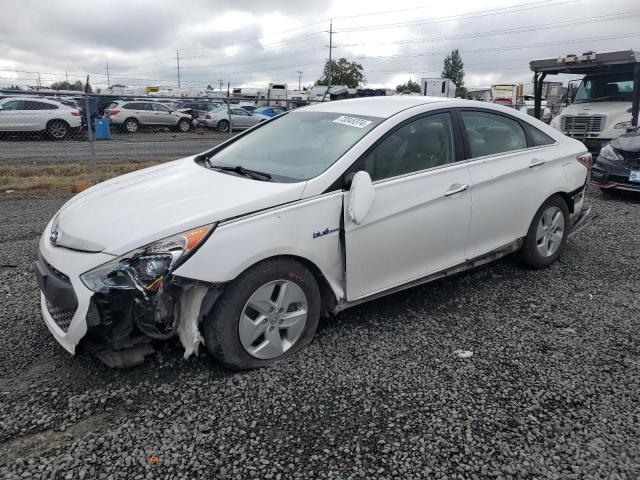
550	231
273	319
58	130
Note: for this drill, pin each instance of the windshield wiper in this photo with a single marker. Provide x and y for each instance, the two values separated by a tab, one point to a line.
240	170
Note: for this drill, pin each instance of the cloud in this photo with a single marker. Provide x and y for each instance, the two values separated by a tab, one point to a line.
256	42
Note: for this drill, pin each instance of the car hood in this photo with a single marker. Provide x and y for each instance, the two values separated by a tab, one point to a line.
610	109
133	210
629	142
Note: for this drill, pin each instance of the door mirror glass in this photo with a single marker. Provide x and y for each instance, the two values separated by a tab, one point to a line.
361	197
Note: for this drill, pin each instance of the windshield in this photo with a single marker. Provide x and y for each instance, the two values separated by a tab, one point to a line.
297	146
616	87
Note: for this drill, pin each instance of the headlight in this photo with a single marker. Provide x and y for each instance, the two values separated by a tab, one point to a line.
621	125
144	268
609	153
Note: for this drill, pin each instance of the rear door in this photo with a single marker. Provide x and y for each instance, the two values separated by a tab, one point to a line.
509	178
37	114
163	115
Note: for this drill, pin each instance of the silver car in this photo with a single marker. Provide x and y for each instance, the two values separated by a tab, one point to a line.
240	118
132	114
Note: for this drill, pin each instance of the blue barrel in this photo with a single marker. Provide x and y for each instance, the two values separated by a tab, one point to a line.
102	129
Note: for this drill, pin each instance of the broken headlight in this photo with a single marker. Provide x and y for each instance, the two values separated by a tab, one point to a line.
609	153
144	267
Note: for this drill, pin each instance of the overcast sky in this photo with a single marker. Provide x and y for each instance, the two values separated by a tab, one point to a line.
253	42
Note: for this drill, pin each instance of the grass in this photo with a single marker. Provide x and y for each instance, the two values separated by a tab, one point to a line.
63	178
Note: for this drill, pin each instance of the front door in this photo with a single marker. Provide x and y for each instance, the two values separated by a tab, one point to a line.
419	219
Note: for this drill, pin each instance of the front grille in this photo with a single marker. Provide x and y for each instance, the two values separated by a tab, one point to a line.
60	315
57	272
583	124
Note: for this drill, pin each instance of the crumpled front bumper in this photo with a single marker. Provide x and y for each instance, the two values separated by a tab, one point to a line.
58	273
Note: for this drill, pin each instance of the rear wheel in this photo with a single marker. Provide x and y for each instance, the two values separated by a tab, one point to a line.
131	125
58	129
223	126
268	313
547	234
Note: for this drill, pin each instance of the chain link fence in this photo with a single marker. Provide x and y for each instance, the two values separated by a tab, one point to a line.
59	127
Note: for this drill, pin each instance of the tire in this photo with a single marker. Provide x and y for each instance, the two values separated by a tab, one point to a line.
58	129
223	126
184	125
546	237
131	125
230	328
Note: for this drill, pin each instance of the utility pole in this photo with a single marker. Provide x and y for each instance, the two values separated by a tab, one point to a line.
66	74
108	79
220	81
330	51
299	79
178	60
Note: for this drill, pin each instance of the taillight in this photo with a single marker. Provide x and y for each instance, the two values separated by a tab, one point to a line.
207	117
75	113
585	159
114	112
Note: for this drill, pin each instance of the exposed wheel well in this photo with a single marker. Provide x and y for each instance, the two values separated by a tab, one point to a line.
58	120
327	295
567	199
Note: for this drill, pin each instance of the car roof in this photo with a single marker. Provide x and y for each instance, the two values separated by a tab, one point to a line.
383	107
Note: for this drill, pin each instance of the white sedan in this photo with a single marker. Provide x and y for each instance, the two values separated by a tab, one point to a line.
245	246
240	118
35	114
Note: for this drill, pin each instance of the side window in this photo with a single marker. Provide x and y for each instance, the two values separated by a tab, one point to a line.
14	105
31	105
539	138
490	133
239	111
131	106
424	143
159	108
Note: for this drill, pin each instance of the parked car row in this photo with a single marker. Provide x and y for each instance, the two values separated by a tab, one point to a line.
59	117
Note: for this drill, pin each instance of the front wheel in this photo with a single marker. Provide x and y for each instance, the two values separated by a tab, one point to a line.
268	313
184	125
547	233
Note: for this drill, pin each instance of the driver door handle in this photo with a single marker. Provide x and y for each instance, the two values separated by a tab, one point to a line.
536	162
455	188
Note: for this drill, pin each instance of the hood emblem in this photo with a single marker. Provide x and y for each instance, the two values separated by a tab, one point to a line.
53	238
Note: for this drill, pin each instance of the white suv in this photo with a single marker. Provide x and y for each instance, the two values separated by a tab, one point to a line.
243	247
34	114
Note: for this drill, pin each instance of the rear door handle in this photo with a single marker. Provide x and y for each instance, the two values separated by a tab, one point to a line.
536	163
455	188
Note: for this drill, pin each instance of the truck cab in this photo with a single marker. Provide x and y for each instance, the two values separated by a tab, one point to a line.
601	109
606	102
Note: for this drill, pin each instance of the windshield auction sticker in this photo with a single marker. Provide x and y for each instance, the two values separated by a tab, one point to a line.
352	121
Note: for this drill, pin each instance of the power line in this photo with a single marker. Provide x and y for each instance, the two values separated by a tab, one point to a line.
463	16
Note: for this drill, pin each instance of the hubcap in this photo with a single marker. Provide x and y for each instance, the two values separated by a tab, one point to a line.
58	130
273	319
131	126
550	231
184	126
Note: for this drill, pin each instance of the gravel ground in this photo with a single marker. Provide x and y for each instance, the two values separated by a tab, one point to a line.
149	145
552	389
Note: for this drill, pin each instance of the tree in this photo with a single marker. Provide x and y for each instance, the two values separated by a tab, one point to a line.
410	86
343	72
454	69
64	85
209	87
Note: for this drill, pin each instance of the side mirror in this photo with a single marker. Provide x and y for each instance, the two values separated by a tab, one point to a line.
361	197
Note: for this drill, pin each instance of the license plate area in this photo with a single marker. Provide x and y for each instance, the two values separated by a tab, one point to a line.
634	176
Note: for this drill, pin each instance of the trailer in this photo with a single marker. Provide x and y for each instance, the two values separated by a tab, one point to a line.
438	87
607	100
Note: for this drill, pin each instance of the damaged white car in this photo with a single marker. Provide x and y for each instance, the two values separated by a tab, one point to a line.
245	246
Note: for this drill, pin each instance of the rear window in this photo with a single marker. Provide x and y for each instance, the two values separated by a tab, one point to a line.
112	105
